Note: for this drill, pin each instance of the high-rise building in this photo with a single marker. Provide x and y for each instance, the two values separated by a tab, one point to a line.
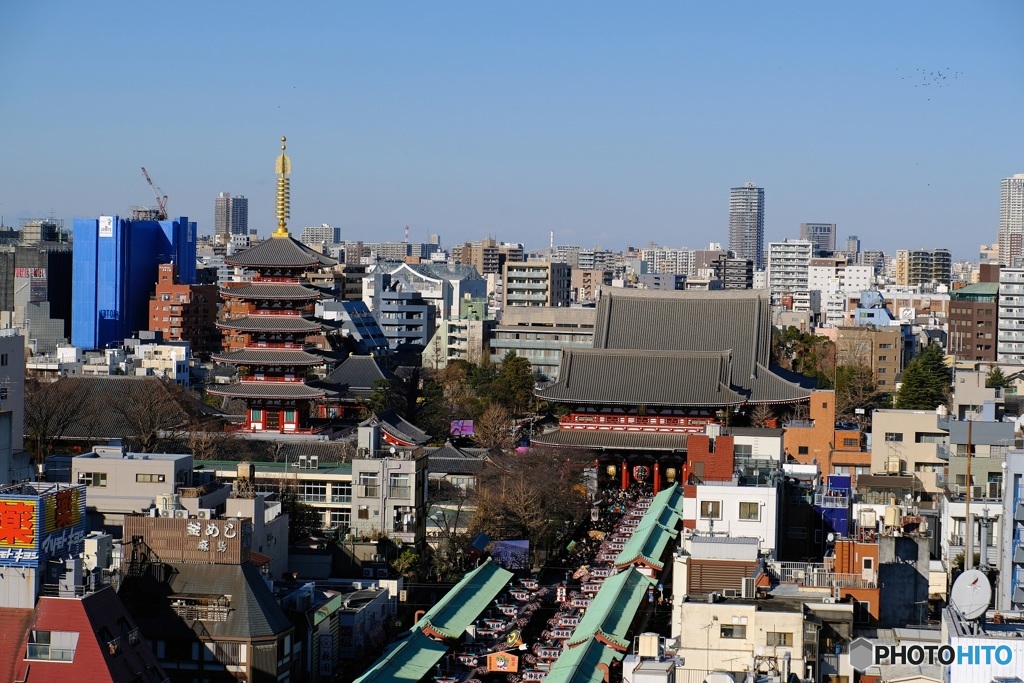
852	250
537	283
231	215
1010	335
320	235
789	268
821	235
746	223
1011	220
114	271
185	312
923	267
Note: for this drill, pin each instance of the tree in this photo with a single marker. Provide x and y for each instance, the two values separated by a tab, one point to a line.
996	378
926	381
493	429
760	415
856	388
155	411
407	564
516	380
805	353
51	408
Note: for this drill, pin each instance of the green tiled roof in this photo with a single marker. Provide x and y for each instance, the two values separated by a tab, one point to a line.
613	609
408	660
466	600
579	664
647	543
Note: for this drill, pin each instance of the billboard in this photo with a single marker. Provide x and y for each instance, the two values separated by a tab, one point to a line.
37	524
462	428
106	226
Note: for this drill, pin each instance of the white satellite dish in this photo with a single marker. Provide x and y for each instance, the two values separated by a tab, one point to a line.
831	537
971	594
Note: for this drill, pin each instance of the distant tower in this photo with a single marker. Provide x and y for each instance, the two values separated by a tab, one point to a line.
231	215
283	167
821	235
746	223
1011	220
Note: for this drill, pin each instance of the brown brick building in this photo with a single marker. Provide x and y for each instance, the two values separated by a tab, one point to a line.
974	318
185	312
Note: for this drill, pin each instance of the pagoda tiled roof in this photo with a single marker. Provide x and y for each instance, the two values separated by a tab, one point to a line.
282	252
270	323
270	290
355	377
269	357
264	389
634	377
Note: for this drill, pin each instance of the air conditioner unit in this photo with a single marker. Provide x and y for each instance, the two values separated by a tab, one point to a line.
302	462
893	466
367	572
382	573
731	592
749	588
165	513
314	462
204	513
995	489
378	558
829	601
181	514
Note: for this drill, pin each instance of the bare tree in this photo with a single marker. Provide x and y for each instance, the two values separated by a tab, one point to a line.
51	409
155	411
493	429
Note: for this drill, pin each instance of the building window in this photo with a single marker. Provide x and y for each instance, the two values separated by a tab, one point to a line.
364	512
313	491
733	631
3	359
851	442
149	478
341	492
256	415
398	486
868	564
894	437
289	416
341	519
368	487
98	479
711	509
750	511
52	646
779	639
802	450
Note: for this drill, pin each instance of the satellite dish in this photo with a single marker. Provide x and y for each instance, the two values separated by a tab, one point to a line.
392	449
831	537
971	594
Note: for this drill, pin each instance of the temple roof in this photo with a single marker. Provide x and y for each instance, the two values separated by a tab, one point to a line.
738	321
270	323
627	377
284	252
354	377
263	389
397	427
608	440
250	356
270	290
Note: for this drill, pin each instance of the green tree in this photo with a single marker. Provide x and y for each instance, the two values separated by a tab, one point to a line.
805	353
407	564
996	379
516	378
926	381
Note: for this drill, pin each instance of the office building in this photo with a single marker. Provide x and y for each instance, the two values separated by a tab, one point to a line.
875	259
1010	340
536	283
821	235
852	249
35	292
974	318
746	223
540	334
735	273
788	268
1011	220
320	235
115	269
185	312
231	215
924	267
488	256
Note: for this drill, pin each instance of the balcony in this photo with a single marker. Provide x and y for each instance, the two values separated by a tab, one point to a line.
825	500
341	498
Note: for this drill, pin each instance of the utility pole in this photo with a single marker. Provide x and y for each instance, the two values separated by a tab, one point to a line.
969	537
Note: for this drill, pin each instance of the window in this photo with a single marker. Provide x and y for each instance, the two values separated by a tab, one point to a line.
882	359
398	486
802	450
868	563
256	415
364	512
3	359
779	639
750	511
98	479
733	631
289	416
53	646
894	437
341	492
368	485
313	491
711	509
851	442
149	478
341	518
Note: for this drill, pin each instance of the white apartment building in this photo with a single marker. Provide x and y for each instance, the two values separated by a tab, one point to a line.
1010	342
320	235
750	511
536	283
788	268
668	260
164	360
1011	220
835	280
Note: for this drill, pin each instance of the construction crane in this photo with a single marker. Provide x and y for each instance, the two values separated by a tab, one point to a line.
161	198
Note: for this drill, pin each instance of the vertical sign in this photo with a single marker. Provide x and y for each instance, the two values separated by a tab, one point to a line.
106	226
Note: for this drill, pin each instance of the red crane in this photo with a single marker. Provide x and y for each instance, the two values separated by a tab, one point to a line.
161	199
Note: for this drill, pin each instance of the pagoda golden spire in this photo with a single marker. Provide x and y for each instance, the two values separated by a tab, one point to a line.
283	207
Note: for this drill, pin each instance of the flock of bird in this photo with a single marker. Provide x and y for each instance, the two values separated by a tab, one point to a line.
925	78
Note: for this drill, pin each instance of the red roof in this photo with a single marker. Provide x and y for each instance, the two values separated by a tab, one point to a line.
14	628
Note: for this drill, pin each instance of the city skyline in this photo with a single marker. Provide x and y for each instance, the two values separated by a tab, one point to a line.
608	125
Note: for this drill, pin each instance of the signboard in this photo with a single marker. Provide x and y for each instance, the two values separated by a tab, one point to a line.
106	226
462	428
326	655
190	539
502	662
39	523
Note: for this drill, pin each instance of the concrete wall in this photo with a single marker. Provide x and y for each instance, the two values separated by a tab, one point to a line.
903	576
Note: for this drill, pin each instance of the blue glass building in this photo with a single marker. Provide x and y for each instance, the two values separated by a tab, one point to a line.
114	272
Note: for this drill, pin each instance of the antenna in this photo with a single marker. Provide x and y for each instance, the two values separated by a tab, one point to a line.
971	594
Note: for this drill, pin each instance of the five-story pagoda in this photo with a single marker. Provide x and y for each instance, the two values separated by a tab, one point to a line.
265	325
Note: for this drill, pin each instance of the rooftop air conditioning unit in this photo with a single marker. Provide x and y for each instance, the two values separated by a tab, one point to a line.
731	592
382	573
204	513
829	601
165	513
377	558
302	462
181	514
367	572
314	462
749	587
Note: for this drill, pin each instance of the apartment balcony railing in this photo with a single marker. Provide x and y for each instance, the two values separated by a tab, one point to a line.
341	497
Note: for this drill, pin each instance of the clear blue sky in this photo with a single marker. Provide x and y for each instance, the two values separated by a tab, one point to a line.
609	123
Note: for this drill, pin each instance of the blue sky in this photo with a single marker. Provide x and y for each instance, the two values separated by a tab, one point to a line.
609	123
